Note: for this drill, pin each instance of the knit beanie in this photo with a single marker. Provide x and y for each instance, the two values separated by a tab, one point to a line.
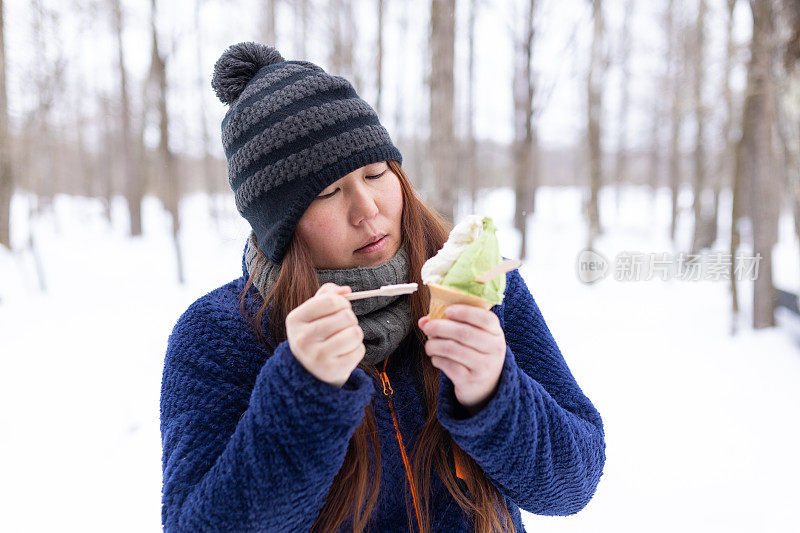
291	130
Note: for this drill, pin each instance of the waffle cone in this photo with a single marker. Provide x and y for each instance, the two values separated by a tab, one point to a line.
442	296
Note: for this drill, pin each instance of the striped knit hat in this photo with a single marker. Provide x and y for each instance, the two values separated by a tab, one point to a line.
292	129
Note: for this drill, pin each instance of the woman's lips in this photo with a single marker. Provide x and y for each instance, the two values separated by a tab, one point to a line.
374	247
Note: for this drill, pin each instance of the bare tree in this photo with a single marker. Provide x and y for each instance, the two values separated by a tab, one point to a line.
301	27
675	57
168	170
657	116
758	164
734	149
6	174
726	159
738	206
786	73
84	163
412	140
468	157
791	103
399	112
268	32
659	106
594	91
107	151
209	176
379	61
621	164
525	138
702	233
342	49
441	117
133	182
47	78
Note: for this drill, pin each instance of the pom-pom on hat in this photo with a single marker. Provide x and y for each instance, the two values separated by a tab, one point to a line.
291	130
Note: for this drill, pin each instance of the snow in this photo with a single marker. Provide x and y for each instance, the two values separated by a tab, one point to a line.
701	425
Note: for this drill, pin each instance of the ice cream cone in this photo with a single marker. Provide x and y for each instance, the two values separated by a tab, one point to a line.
442	297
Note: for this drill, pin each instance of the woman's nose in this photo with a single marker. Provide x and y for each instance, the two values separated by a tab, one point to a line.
364	203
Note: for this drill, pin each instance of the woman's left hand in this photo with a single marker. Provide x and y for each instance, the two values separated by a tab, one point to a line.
469	346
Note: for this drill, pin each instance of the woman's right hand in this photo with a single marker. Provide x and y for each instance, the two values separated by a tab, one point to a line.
324	335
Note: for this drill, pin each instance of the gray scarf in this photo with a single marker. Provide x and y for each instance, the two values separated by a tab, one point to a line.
385	320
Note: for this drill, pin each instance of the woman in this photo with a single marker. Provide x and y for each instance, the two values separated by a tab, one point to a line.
287	407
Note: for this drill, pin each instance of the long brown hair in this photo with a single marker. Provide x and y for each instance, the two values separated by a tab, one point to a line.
424	233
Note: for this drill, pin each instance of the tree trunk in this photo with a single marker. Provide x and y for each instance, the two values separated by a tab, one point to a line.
727	156
788	110
469	156
701	236
621	166
132	178
6	172
658	115
268	23
525	170
379	62
442	142
675	59
342	50
595	111
759	175
107	158
399	112
209	176
737	204
301	26
655	149
168	172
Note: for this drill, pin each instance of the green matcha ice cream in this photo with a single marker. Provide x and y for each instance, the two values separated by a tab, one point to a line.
470	250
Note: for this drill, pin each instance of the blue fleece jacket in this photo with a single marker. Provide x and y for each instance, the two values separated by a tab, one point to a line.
252	441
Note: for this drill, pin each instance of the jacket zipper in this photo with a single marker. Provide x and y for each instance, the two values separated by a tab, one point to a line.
388	392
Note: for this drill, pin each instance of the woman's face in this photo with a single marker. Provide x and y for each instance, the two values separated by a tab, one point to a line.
348	212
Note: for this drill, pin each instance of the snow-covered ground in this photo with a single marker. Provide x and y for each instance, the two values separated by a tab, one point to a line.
701	426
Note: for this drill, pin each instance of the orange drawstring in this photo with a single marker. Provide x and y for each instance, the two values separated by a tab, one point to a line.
460	470
388	392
